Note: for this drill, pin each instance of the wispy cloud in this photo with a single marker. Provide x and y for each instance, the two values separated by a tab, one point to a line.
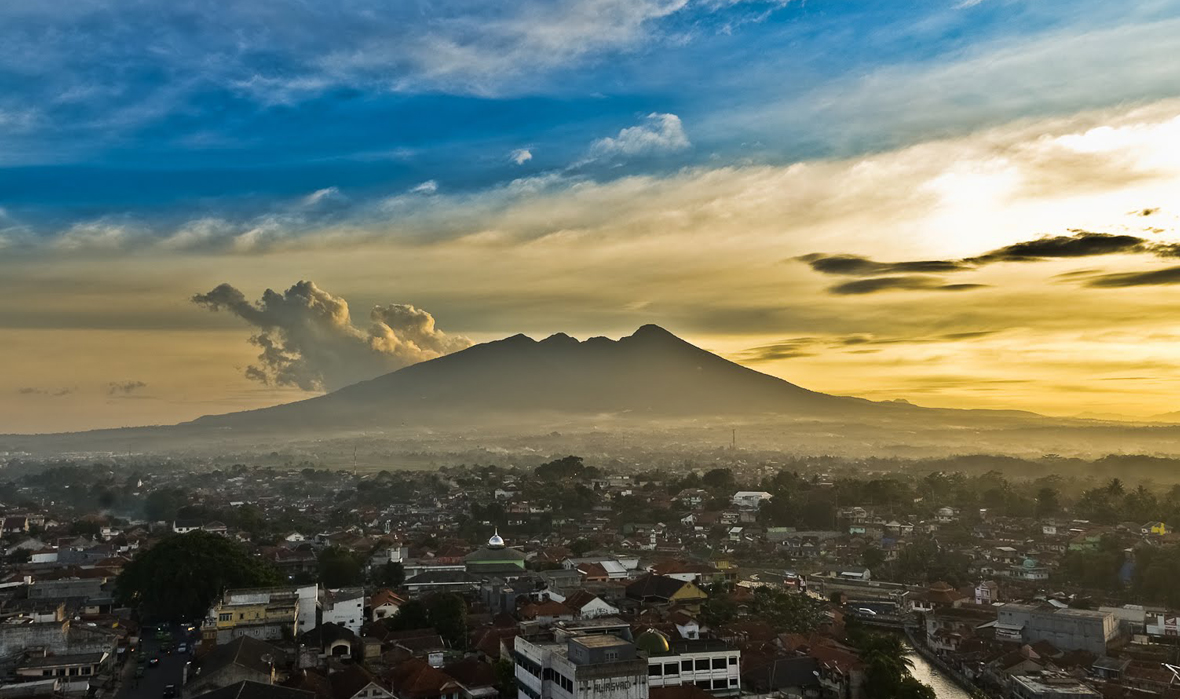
520	156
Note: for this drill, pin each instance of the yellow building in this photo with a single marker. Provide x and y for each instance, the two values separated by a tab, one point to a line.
263	613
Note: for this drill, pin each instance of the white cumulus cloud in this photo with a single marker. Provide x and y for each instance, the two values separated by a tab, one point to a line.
659	133
520	156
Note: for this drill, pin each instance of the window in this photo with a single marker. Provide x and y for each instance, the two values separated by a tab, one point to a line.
671	669
655	670
703	664
686	665
732	681
718	663
703	684
225	617
720	684
733	660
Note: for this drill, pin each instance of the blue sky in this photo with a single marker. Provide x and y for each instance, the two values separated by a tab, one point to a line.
161	113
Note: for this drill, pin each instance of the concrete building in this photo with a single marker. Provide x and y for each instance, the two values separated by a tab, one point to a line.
269	613
1066	629
584	666
344	607
1046	686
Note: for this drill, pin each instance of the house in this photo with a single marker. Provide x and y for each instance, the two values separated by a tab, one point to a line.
546	612
661	589
16	525
215	527
254	690
355	682
244	658
1154	529
418	679
184	526
384	604
588	605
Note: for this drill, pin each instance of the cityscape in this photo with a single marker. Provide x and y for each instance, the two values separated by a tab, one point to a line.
590	349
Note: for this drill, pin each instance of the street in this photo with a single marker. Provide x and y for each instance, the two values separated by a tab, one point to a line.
169	671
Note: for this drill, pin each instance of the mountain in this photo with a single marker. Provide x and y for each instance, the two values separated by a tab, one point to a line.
649	373
648	395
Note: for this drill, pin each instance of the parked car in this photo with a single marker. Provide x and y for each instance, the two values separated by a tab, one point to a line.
169	691
153	662
138	671
182	648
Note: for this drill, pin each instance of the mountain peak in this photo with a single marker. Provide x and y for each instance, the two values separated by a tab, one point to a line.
652	331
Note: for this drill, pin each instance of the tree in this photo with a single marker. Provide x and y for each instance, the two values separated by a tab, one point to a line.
392	574
448	616
718	610
339	567
410	616
162	505
506	677
787	612
179	578
1048	503
580	547
887	668
719	479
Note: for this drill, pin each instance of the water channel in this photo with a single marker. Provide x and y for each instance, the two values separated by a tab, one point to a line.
944	686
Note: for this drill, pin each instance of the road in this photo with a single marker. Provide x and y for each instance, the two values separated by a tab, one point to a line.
169	671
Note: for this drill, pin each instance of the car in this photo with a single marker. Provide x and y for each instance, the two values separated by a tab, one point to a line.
138	671
866	611
169	691
153	662
182	648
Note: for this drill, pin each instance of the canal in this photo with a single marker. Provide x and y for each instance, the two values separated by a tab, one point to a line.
944	686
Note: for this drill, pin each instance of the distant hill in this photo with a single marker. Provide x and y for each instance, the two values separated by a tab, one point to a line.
649	373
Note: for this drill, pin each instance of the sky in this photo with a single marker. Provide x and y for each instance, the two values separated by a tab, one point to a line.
210	206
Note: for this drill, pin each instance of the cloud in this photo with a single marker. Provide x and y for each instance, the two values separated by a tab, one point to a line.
520	156
307	337
427	187
817	346
52	392
125	388
874	285
1157	277
321	196
1079	244
856	266
659	133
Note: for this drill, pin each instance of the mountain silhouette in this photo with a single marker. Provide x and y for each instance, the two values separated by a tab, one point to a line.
651	372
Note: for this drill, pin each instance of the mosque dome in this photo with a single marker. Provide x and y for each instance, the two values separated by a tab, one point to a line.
497	541
652	641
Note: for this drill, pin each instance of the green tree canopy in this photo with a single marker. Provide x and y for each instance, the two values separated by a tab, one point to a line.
339	567
180	577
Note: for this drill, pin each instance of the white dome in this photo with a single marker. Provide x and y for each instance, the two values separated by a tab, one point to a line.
496	542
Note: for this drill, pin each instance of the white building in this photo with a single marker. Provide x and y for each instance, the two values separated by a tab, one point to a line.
712	665
343	607
750	499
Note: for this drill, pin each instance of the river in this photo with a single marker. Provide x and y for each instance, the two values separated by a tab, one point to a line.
944	687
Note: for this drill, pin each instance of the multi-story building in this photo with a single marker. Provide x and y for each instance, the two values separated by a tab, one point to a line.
582	666
712	665
1067	629
269	613
344	607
